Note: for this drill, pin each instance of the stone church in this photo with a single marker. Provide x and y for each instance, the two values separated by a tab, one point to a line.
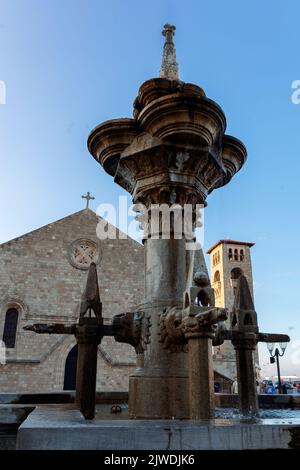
42	276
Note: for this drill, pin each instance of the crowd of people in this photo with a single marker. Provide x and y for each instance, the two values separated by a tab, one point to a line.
286	387
267	387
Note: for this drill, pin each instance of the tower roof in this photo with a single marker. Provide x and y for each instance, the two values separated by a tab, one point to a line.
229	242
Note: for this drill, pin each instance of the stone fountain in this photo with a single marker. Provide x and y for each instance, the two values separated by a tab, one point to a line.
170	156
173	152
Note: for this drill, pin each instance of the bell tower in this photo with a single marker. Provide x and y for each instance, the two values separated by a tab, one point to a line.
228	260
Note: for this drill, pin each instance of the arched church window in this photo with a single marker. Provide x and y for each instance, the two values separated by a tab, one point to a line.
242	255
217	277
10	327
236	255
230	256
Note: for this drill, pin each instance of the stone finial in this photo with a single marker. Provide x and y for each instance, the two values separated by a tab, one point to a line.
243	316
169	66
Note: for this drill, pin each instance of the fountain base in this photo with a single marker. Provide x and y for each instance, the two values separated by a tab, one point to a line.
64	428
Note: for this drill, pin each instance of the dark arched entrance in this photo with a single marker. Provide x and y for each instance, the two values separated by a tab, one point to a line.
10	327
70	369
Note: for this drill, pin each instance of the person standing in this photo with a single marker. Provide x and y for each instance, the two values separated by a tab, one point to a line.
234	387
270	389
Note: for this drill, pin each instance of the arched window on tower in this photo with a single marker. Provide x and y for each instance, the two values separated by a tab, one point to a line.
242	255
216	258
10	327
217	284
230	255
236	255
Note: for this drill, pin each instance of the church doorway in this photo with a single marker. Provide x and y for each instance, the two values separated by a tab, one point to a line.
70	369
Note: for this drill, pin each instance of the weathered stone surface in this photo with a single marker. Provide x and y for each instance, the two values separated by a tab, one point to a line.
59	429
37	278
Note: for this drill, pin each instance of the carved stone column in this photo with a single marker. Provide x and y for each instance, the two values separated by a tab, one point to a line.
198	326
163	377
201	377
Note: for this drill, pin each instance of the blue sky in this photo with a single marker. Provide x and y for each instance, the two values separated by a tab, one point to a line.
69	65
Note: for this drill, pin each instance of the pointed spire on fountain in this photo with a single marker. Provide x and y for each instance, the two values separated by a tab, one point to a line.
243	298
169	66
90	299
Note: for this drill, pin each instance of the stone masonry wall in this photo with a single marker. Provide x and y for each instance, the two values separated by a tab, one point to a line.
37	278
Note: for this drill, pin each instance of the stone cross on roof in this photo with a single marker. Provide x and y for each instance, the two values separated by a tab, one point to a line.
169	66
88	197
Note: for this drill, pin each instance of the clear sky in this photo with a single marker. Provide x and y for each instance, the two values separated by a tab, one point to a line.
69	65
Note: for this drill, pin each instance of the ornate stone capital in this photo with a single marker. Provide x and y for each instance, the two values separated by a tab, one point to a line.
168	221
175	149
176	328
201	321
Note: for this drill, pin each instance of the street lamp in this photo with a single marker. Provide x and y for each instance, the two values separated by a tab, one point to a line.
276	355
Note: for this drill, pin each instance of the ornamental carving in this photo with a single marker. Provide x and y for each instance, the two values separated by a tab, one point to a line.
83	252
170	330
132	328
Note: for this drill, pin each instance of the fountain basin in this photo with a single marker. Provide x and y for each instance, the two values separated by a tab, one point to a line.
64	428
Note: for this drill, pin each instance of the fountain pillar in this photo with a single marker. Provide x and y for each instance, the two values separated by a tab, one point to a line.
246	378
88	339
201	378
244	339
159	388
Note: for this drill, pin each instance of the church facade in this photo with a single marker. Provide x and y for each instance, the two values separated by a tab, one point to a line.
42	276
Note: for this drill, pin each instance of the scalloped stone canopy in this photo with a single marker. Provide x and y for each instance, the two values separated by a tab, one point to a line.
175	142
